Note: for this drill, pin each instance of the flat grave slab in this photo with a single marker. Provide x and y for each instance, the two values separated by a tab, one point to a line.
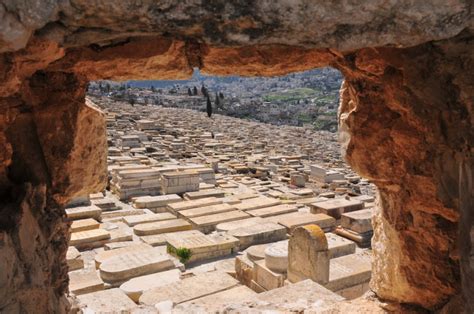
160	239
183	205
206	210
100	257
265	232
89	238
336	207
258	202
83	212
208	223
161	227
156	201
273	210
359	221
339	246
125	266
138	219
202	246
349	270
204	194
297	219
85	281
227	226
84	224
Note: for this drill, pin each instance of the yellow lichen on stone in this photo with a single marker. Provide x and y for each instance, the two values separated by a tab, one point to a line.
317	233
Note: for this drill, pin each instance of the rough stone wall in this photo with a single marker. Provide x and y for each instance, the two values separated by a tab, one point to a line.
407	125
406	119
55	148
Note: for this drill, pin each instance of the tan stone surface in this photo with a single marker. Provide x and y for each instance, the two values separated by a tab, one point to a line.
135	287
88	237
298	219
273	210
134	264
107	301
74	259
138	219
85	281
166	226
104	255
190	288
84	224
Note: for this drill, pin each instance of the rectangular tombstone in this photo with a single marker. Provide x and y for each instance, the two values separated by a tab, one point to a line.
227	226
89	238
256	203
161	227
83	212
339	246
156	201
206	210
208	223
84	224
125	266
267	278
204	194
85	281
190	288
349	270
336	207
298	219
201	246
258	234
273	210
358	221
74	259
100	257
160	239
138	219
183	205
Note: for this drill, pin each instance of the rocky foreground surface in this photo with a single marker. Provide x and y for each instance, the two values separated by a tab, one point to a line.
209	214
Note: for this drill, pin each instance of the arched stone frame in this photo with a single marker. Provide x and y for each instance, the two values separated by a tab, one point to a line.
406	119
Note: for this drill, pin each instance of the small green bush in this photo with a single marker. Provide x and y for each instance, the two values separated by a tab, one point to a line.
183	253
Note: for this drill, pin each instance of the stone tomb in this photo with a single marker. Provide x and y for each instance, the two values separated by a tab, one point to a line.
160	239
85	281
267	278
298	219
206	210
208	223
125	266
256	203
89	239
158	227
227	226
178	182
156	203
74	259
349	275
273	210
83	212
204	194
183	205
336	207
190	288
145	218
357	226
201	246
339	246
84	224
100	257
265	232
